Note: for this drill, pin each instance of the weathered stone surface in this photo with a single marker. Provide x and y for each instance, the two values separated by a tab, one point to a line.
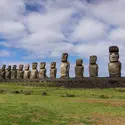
2	72
93	67
34	72
20	72
114	65
8	73
65	66
27	71
14	72
42	72
53	70
79	68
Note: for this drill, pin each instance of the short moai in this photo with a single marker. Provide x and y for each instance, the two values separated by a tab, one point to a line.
14	72
79	68
93	67
34	72
20	72
65	66
114	66
8	73
27	71
42	71
53	70
2	72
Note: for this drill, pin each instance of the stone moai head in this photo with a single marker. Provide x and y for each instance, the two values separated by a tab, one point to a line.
64	57
79	62
93	59
42	65
114	54
53	65
9	68
3	67
34	65
20	67
14	67
27	67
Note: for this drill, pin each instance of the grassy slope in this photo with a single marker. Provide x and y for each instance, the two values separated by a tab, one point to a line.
88	107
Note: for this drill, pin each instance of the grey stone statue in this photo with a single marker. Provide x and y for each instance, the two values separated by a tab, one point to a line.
14	72
93	67
42	72
53	70
65	66
8	73
27	71
20	72
34	72
2	72
114	65
79	68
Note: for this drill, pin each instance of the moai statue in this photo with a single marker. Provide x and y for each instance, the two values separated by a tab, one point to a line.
14	72
114	65
34	72
2	72
42	72
65	66
93	67
8	73
20	72
53	70
27	71
79	68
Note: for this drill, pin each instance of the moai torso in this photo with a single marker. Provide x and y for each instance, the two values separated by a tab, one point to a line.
34	72
93	67
53	70
20	72
14	72
79	69
2	72
114	66
8	73
65	66
42	72
27	72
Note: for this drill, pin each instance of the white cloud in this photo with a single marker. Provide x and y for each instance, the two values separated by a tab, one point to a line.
4	53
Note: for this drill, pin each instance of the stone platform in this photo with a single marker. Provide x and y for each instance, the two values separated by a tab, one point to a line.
86	82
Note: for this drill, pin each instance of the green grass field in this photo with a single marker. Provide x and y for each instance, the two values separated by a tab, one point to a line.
21	105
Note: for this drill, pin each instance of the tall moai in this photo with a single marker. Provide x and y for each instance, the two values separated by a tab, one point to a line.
14	72
34	72
65	66
42	71
27	71
53	70
8	72
93	67
114	66
2	72
79	68
20	72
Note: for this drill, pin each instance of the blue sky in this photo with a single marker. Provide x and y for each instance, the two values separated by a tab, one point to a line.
41	30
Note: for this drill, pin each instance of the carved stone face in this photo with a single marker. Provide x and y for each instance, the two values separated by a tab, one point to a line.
114	57
93	59
3	67
42	65
34	65
20	67
79	62
64	57
27	67
14	67
53	65
9	68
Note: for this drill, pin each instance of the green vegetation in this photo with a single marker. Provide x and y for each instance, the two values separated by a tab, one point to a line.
22	105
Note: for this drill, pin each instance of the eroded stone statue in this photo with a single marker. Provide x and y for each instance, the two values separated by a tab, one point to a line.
65	66
2	72
8	73
53	70
34	72
20	72
27	71
79	68
42	72
14	72
93	67
114	65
